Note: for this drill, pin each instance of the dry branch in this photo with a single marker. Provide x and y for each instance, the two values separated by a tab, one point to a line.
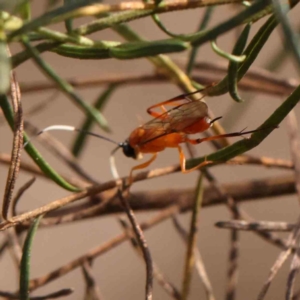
256	80
17	146
153	200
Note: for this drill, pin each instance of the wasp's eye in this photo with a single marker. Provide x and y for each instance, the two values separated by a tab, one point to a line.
128	150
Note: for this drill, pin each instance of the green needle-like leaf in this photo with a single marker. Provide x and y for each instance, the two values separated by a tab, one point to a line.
250	14
25	261
49	17
66	87
234	66
144	49
256	138
87	124
5	67
291	37
81	52
229	56
32	151
202	26
251	52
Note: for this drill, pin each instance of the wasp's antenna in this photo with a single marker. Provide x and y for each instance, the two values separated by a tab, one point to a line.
215	119
72	128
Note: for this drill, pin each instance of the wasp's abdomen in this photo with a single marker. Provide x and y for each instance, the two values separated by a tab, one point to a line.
199	126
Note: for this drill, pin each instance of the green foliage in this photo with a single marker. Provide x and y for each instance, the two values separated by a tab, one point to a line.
25	261
36	36
19	27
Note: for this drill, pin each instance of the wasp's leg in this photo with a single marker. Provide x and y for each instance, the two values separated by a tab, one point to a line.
216	137
173	102
141	166
182	162
176	99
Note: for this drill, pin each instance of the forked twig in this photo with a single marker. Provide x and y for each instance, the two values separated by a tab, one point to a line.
158	275
14	246
295	148
232	273
294	270
17	145
20	193
295	235
93	253
198	261
280	260
90	211
256	226
242	191
92	290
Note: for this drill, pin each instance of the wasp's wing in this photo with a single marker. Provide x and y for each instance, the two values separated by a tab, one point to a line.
175	120
187	114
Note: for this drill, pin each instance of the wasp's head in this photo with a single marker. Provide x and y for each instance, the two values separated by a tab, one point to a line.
128	150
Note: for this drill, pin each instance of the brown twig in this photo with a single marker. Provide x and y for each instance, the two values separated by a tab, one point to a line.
88	212
233	256
14	246
54	295
88	192
198	261
4	245
160	199
17	145
92	290
141	241
296	295
280	260
158	275
256	80
242	191
237	213
169	5
192	237
20	193
34	109
255	226
265	161
295	148
232	273
277	265
294	270
161	216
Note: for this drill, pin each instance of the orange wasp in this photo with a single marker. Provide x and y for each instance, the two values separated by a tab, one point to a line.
168	129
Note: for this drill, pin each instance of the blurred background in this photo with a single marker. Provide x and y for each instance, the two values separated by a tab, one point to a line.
120	273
